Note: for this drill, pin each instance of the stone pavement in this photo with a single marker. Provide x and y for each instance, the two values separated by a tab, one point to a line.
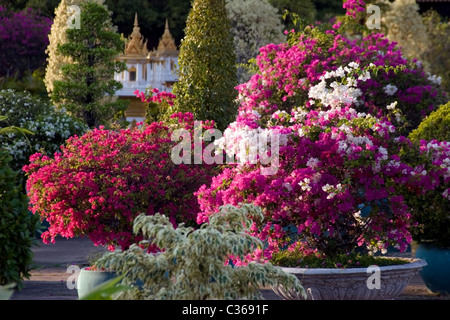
49	280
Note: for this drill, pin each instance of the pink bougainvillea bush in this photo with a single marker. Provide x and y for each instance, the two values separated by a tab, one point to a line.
156	103
340	108
336	187
287	71
104	179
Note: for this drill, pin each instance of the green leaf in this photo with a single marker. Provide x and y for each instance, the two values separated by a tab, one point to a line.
106	290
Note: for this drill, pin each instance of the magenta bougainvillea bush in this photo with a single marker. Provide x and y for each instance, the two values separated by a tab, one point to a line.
102	180
340	109
287	72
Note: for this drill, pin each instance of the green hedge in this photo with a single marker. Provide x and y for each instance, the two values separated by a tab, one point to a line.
435	126
18	227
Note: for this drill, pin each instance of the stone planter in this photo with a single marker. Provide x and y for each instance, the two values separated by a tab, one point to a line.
378	283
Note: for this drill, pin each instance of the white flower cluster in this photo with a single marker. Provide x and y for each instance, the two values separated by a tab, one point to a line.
439	150
247	143
332	190
344	92
50	127
435	79
49	131
345	145
390	89
312	162
392	105
298	115
305	184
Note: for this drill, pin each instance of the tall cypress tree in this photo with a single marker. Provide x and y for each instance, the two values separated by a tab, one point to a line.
207	65
87	86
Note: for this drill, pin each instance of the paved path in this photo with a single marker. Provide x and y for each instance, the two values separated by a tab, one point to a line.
49	281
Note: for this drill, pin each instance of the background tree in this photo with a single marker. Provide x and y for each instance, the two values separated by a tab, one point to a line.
438	54
405	27
328	9
305	9
87	86
207	65
23	37
422	36
255	23
57	37
45	7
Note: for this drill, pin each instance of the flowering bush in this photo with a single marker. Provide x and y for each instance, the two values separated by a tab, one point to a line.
429	149
157	102
50	127
287	72
340	108
104	179
340	181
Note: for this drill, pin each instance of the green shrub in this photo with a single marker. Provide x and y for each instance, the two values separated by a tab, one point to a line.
430	210
435	126
298	259
207	66
192	264
17	227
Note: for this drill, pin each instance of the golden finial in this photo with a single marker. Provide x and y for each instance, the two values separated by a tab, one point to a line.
136	43
136	23
167	42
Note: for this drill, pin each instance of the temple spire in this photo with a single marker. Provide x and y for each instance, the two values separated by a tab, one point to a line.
136	23
167	42
136	43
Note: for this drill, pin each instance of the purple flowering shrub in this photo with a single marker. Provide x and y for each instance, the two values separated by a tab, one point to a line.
287	71
336	188
24	38
339	108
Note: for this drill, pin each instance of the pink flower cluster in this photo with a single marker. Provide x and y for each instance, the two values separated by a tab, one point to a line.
287	71
156	96
104	179
353	7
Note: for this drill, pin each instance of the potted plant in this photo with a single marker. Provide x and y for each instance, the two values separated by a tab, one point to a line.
194	263
431	144
338	109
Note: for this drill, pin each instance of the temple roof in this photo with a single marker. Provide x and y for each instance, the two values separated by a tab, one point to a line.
136	44
167	42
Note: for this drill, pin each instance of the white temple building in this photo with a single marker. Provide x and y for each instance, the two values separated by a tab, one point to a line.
155	69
